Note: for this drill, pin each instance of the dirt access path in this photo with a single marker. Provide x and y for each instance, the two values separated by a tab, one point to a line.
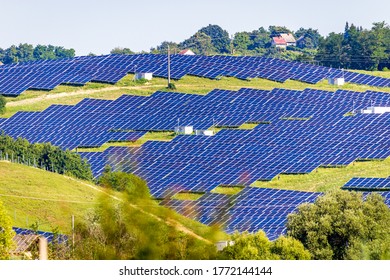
170	222
72	93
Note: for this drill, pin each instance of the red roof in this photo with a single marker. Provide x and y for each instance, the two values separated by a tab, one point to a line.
184	51
279	41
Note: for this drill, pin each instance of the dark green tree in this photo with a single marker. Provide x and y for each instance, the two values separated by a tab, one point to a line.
241	41
220	39
163	48
307	38
119	50
330	51
200	43
340	225
275	30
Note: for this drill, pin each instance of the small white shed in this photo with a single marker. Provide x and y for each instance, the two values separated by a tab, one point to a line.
336	81
204	132
143	75
375	110
184	129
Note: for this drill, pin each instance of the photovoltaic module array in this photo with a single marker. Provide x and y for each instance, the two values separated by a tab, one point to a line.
368	184
297	132
47	74
60	238
249	210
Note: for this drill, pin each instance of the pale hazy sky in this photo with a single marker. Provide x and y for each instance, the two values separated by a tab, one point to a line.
99	26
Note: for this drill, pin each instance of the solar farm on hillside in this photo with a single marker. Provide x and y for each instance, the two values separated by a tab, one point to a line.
297	131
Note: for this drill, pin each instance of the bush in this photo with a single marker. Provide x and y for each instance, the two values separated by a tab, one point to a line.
6	234
171	86
2	104
132	185
256	246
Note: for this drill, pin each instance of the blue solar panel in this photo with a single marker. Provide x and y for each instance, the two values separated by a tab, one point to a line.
51	237
368	184
47	74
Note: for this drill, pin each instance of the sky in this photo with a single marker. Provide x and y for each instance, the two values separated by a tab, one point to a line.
99	26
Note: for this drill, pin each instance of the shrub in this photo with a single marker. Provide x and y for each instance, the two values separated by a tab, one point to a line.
2	104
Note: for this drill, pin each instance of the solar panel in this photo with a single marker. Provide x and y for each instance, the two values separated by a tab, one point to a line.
47	74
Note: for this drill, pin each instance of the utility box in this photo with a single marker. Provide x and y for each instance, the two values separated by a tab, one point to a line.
336	81
143	75
375	110
184	129
204	132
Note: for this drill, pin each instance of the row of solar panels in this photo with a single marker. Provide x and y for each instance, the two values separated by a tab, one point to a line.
51	237
369	184
93	122
47	74
250	210
234	157
286	144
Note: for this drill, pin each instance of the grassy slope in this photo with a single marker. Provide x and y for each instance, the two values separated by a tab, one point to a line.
32	195
329	178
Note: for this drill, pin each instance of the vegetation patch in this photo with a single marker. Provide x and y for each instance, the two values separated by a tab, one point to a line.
294	119
188	195
149	136
44	156
328	178
229	190
248	126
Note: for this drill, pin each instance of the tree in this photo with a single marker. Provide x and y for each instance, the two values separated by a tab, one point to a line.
241	41
133	185
256	246
3	102
340	225
119	50
287	248
219	38
309	38
330	51
26	52
163	48
200	43
123	230
249	247
260	39
276	30
6	234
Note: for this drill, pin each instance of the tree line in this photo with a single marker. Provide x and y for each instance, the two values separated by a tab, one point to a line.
355	48
44	156
27	52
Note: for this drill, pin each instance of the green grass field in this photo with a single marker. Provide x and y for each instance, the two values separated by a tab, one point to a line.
324	179
33	195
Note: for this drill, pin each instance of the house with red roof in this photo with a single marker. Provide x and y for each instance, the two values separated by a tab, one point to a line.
283	40
279	42
187	52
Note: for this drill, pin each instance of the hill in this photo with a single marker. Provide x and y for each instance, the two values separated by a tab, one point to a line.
33	195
